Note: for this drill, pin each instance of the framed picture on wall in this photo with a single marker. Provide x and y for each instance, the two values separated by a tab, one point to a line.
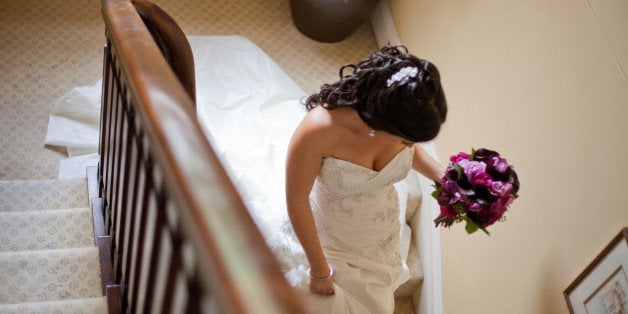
603	286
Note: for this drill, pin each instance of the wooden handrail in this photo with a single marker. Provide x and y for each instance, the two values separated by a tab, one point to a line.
172	42
161	178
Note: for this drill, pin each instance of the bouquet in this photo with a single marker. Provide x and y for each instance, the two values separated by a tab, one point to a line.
477	189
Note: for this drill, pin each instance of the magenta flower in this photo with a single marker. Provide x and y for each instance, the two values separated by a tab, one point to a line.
445	210
457	158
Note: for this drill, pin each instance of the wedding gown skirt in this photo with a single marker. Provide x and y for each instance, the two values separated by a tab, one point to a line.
356	210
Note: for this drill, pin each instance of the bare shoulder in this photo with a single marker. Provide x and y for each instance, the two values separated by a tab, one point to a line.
318	118
316	134
318	123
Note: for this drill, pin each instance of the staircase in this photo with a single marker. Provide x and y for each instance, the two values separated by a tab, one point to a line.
49	262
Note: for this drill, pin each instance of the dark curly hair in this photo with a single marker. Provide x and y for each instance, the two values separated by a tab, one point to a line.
412	107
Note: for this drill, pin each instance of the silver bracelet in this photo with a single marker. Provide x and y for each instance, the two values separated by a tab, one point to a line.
331	273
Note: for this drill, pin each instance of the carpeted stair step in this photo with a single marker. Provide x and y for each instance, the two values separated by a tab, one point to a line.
49	275
75	306
23	195
46	229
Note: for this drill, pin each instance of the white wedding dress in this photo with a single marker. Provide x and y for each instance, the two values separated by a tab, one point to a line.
356	210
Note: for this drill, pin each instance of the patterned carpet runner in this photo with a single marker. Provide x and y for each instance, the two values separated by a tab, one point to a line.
48	260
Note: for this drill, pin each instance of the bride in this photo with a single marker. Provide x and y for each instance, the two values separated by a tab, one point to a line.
357	139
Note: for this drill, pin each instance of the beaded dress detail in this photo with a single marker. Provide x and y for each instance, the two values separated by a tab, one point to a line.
356	210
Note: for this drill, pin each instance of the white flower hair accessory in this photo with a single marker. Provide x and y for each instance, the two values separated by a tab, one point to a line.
402	74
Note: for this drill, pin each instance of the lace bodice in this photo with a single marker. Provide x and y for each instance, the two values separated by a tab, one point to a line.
357	209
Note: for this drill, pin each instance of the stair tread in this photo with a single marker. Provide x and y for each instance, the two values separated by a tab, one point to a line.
49	275
87	305
24	195
46	229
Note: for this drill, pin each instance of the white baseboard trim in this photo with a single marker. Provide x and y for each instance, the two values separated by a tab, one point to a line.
384	25
429	241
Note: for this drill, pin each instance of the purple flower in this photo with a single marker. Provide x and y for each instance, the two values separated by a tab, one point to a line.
514	179
488	217
451	174
476	172
497	210
484	154
450	194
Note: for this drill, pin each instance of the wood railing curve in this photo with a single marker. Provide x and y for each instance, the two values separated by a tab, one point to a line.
171	41
182	240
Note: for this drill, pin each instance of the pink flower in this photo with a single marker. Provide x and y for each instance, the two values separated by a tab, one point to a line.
457	158
498	163
475	207
500	188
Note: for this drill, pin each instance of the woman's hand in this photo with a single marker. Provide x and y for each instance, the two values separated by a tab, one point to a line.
323	284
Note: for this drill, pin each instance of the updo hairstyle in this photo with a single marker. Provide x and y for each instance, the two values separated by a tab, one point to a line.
389	94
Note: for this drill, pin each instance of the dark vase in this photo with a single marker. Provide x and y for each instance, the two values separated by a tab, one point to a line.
330	20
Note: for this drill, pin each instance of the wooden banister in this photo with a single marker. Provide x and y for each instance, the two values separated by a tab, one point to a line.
182	238
171	41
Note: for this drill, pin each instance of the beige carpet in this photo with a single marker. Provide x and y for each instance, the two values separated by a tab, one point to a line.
47	47
48	260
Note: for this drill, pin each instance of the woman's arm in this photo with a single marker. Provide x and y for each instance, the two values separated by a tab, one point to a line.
305	155
426	165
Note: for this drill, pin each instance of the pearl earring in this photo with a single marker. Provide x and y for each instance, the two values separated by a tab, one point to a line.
372	133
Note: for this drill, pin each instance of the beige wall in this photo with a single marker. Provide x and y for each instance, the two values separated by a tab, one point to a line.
544	83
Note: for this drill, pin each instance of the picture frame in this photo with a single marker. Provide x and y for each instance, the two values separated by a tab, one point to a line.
603	286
